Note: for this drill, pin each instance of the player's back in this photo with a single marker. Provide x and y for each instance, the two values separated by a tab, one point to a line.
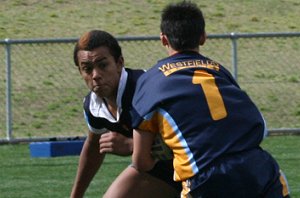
203	112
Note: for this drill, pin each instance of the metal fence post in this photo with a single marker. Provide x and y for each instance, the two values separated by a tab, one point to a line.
8	90
234	38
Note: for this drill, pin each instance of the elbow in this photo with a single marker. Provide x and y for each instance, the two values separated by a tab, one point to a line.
141	167
143	164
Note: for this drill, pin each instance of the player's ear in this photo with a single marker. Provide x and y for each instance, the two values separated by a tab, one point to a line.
121	60
164	39
120	63
202	38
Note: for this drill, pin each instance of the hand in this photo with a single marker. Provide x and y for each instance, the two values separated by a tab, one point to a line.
115	143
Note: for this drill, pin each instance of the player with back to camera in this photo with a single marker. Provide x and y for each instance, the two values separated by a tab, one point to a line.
99	59
212	126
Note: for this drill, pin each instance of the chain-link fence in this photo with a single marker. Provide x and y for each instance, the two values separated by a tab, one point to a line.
42	91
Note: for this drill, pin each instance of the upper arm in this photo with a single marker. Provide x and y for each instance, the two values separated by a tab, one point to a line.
141	158
91	145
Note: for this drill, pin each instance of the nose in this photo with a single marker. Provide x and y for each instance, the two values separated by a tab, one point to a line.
96	74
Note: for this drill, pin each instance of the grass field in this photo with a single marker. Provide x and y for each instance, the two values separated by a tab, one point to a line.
69	18
24	177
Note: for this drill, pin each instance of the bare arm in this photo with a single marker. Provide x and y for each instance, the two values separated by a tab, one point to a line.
92	155
89	162
141	158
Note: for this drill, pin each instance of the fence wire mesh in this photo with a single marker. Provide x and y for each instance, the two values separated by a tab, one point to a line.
47	90
269	71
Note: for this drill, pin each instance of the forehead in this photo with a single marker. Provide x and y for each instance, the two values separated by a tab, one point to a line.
91	56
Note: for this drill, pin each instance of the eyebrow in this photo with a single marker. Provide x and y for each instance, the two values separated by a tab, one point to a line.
101	59
96	60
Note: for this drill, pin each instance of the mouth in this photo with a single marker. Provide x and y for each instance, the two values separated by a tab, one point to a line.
99	89
96	88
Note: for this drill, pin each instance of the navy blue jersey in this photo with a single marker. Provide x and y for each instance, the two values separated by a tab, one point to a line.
102	123
200	110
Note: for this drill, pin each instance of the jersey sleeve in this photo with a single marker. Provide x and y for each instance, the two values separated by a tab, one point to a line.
96	130
144	103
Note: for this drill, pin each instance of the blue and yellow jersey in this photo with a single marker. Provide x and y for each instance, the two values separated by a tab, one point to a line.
200	110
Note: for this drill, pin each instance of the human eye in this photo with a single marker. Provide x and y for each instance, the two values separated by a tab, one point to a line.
101	65
87	69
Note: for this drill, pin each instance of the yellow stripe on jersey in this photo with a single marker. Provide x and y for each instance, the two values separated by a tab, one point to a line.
150	123
186	188
283	181
184	163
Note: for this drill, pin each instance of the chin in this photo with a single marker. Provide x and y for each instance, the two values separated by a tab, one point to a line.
100	94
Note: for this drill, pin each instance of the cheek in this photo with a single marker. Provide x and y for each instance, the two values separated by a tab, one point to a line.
115	79
87	80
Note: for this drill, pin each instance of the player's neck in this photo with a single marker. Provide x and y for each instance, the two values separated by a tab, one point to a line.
172	51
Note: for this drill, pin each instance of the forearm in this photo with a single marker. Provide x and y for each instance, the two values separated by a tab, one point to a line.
129	144
89	163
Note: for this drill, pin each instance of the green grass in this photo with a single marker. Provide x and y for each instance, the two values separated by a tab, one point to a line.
69	18
285	149
23	176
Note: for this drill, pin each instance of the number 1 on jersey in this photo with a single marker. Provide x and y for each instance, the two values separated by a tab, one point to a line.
212	94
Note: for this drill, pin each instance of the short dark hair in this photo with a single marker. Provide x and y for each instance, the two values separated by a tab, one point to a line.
183	23
94	39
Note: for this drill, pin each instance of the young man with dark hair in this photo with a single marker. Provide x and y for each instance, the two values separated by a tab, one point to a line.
99	59
211	125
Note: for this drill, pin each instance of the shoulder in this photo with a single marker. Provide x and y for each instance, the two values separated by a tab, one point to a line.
134	74
86	101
